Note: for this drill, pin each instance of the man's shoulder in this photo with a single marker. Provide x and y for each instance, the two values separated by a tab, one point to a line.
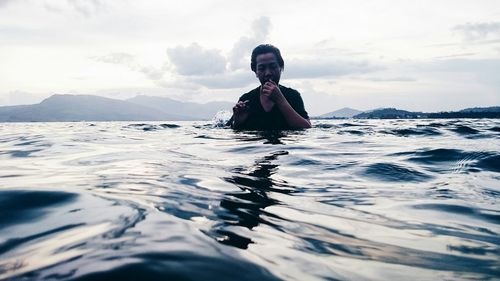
252	93
289	91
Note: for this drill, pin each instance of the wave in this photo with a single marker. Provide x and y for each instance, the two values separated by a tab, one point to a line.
413	132
454	159
464	130
179	265
151	127
395	173
21	206
488	215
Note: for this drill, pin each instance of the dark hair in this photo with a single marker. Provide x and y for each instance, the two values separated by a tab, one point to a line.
264	49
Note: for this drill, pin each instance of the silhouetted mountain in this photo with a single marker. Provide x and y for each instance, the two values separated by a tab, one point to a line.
390	113
345	112
147	108
195	110
83	108
393	113
482	109
465	114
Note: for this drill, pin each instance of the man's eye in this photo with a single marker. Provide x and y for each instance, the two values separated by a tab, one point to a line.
271	66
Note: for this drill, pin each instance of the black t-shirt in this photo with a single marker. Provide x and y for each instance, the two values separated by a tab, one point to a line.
259	119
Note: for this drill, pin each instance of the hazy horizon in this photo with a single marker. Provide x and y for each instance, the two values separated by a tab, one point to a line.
423	56
315	115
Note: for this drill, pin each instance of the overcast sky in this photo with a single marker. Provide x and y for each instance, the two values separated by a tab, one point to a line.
428	55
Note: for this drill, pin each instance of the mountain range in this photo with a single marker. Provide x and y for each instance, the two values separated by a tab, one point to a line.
65	108
345	112
394	113
94	108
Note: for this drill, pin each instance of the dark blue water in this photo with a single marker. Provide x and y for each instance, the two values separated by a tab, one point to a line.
345	200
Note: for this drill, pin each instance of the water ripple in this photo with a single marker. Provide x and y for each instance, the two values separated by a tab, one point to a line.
395	173
400	199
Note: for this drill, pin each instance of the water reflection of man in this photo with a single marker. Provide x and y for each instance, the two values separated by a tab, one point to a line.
270	106
246	207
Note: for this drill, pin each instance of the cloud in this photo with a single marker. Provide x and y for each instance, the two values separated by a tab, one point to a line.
239	56
21	98
129	60
456	56
152	72
319	67
195	60
195	67
116	58
86	8
210	69
4	3
237	79
467	65
482	71
391	79
478	31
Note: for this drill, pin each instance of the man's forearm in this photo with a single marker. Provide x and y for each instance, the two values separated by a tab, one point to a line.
292	117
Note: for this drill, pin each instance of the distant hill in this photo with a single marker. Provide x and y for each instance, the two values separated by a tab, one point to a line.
147	108
482	109
345	112
194	110
476	112
393	113
389	113
84	108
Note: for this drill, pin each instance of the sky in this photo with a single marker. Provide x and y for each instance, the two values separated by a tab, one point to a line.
436	55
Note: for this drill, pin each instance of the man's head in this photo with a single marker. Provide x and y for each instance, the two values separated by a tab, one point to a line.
267	63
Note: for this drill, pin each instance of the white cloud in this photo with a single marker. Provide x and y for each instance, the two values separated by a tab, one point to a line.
482	71
240	54
5	2
86	8
391	79
234	79
116	58
479	31
21	97
456	56
320	67
195	60
129	60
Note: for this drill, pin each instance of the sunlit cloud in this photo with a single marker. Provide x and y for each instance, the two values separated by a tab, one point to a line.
86	8
238	58
320	67
478	31
196	60
130	61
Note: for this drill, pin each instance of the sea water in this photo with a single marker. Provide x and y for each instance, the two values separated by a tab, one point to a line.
345	200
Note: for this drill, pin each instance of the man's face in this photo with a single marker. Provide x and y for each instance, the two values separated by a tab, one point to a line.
267	68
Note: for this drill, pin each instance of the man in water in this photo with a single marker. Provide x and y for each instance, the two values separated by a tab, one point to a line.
270	106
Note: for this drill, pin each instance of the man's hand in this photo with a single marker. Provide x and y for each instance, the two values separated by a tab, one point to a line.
271	90
240	113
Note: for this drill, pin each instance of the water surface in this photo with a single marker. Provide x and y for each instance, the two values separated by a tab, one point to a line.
345	200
